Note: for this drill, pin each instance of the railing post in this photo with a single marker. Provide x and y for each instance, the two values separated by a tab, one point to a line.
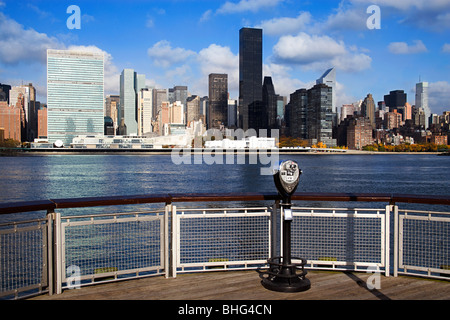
50	251
274	228
396	239
174	243
58	254
387	240
167	210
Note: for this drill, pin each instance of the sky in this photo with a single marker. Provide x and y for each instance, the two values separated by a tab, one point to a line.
180	42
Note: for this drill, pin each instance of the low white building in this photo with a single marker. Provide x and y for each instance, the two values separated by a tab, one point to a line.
246	143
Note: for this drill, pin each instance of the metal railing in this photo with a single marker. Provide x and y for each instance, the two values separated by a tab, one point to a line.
63	252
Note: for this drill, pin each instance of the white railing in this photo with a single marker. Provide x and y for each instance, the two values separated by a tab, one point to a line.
220	239
422	243
63	252
342	239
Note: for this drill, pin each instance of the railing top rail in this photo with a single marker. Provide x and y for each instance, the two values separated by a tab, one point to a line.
52	204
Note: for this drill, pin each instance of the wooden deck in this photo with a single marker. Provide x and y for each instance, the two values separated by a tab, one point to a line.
245	285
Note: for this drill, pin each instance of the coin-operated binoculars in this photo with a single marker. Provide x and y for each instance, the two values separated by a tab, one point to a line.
282	275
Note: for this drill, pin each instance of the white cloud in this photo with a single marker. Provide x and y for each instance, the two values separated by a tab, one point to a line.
164	55
319	52
219	59
286	25
439	96
20	45
247	5
404	48
206	16
283	82
446	48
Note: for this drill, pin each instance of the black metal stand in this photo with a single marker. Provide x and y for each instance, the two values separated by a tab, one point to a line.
282	275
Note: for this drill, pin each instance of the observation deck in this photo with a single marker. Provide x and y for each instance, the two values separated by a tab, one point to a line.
210	246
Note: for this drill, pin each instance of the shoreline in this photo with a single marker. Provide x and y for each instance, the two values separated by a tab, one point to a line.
182	151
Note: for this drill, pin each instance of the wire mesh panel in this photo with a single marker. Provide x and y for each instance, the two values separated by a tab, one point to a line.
339	237
119	246
424	243
23	265
223	239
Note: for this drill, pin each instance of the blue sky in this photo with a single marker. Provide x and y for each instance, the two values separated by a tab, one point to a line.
179	42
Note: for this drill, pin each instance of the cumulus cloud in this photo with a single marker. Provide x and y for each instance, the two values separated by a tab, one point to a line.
164	55
319	52
439	96
432	14
286	25
247	5
21	45
404	48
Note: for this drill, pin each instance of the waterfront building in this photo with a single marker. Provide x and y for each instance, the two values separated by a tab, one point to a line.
192	109
112	107
4	92
329	78
392	120
131	84
232	113
159	96
298	117
218	100
145	111
269	99
27	96
368	109
347	110
422	100
42	122
418	116
11	121
395	99
320	115
251	142
250	73
75	94
359	133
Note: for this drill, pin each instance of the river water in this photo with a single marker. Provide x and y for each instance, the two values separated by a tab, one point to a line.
25	178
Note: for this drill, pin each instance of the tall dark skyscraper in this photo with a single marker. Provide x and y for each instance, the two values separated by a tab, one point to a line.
270	102
218	100
395	99
250	73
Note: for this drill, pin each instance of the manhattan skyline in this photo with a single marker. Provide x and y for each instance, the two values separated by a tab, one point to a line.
180	42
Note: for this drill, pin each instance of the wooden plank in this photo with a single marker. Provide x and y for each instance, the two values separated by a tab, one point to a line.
246	285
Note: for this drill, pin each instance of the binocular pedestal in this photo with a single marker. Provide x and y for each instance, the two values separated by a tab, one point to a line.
283	275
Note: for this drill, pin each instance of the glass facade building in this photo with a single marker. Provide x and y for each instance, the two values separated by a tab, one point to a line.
250	73
75	94
131	84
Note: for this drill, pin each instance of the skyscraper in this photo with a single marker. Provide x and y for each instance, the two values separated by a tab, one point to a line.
395	99
75	94
131	84
218	100
422	100
368	109
329	78
320	115
270	102
250	73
